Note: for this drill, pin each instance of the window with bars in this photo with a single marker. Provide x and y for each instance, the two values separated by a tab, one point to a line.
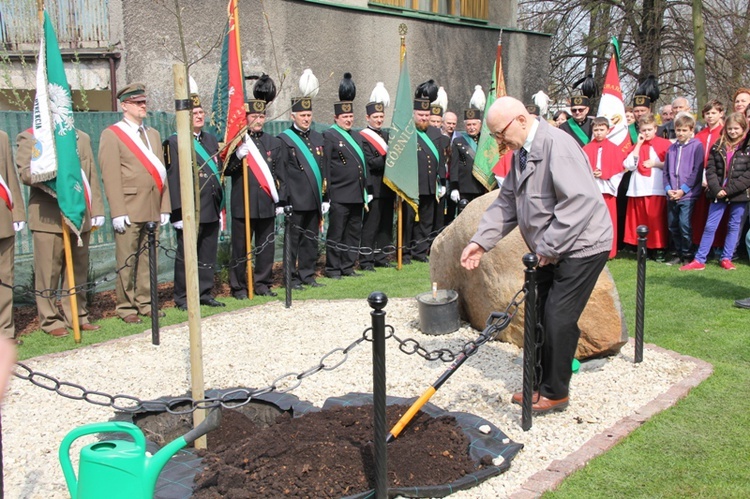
474	9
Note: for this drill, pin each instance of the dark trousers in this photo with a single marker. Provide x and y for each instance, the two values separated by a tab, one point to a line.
679	215
261	231
304	250
451	209
622	208
562	293
418	231
344	227
208	245
377	231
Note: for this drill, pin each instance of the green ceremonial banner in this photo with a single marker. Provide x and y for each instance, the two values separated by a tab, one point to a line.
487	152
401	173
55	158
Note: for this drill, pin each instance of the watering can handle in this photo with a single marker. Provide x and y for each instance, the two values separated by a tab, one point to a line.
109	427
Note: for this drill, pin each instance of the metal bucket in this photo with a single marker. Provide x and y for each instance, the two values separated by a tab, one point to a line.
438	312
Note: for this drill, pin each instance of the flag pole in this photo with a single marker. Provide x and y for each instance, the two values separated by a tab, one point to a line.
245	177
70	271
399	199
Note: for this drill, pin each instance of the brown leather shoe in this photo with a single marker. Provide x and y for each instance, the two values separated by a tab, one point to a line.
90	327
159	314
545	405
59	332
518	397
132	319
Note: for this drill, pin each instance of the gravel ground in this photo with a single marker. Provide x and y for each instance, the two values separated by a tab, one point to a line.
255	346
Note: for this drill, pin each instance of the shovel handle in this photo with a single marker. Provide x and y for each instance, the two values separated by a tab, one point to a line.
409	415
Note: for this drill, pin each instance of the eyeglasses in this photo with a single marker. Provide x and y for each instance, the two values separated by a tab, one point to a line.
578	110
136	103
501	134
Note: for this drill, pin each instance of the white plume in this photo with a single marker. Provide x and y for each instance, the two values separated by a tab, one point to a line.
380	94
308	84
542	100
442	99
192	86
478	99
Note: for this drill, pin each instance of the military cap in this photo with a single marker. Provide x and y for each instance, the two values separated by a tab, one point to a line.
472	114
134	92
533	109
421	104
436	110
196	100
343	108
255	106
300	104
374	107
579	100
641	101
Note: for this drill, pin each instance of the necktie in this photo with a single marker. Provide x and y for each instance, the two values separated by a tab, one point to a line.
522	159
142	134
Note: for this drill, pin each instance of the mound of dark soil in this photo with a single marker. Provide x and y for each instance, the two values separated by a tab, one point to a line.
328	454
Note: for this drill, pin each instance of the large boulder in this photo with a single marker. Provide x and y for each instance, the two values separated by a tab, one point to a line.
492	286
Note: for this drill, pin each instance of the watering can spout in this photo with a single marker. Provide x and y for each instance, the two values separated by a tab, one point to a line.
160	459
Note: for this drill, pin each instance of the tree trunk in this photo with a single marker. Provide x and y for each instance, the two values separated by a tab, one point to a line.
699	52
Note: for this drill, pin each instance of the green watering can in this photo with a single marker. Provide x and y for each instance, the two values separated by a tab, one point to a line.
119	469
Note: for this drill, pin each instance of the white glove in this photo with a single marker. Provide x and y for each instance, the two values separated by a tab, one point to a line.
455	195
325	207
19	226
97	221
279	210
119	223
499	181
177	224
242	151
369	198
164	218
441	192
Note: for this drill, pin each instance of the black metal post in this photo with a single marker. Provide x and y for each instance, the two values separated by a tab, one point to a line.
640	291
288	254
151	228
462	204
530	260
378	301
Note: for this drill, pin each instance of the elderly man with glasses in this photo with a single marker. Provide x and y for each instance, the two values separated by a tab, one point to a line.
551	196
579	124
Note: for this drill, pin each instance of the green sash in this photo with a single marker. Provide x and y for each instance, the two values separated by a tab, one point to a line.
308	157
426	138
633	133
350	140
205	159
578	131
472	143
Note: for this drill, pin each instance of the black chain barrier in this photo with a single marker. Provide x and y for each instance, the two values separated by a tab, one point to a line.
283	384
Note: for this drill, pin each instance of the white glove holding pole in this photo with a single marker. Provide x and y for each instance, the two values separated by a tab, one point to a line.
325	207
455	195
242	151
279	210
164	218
369	198
97	221
19	226
441	192
119	223
177	225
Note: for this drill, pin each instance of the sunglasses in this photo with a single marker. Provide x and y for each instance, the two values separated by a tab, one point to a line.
578	110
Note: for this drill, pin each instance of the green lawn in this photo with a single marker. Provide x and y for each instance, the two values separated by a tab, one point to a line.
699	448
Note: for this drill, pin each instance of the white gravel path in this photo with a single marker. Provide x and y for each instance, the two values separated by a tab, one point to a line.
254	346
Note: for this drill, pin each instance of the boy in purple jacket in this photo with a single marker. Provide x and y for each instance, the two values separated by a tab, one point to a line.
682	182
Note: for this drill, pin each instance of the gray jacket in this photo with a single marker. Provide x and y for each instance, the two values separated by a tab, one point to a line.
555	202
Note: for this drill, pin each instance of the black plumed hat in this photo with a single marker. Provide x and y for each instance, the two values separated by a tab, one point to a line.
427	90
347	89
264	89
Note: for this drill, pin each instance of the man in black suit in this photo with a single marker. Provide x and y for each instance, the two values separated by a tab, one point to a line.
266	169
579	125
431	154
377	228
463	184
306	191
346	171
211	200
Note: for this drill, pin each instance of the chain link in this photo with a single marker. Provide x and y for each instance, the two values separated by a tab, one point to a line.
171	253
186	405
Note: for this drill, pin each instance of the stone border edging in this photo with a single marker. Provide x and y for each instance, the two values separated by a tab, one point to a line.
558	470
